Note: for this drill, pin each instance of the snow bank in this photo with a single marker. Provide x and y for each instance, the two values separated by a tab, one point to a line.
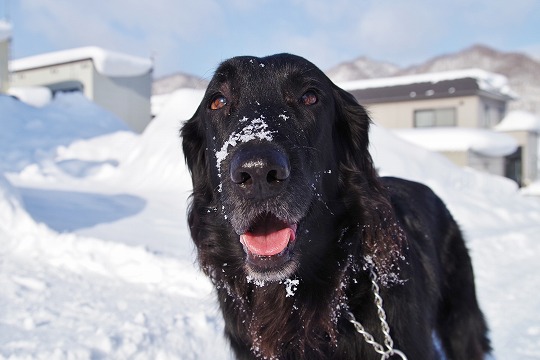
532	189
30	135
482	141
159	154
486	80
128	288
37	96
71	297
71	147
66	296
13	217
157	102
109	63
398	157
519	121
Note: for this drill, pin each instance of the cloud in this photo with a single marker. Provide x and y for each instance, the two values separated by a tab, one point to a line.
196	35
405	32
140	28
394	30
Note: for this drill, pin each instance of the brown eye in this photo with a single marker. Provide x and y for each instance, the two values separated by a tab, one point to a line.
218	101
309	98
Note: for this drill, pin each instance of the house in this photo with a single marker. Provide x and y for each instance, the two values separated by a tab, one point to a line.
455	113
117	82
5	39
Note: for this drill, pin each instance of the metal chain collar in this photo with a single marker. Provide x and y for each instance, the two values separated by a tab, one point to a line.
388	342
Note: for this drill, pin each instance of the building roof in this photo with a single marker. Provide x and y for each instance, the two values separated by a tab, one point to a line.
5	30
431	85
109	63
519	121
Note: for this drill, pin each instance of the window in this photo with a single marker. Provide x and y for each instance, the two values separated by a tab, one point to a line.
435	117
494	112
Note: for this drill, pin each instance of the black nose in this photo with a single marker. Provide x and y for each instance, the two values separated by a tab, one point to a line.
260	172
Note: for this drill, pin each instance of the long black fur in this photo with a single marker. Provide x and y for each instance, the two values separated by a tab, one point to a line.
349	221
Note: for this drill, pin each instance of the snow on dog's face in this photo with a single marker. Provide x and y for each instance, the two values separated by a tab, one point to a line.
265	135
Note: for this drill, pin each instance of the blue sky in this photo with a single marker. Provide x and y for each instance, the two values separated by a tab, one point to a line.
193	36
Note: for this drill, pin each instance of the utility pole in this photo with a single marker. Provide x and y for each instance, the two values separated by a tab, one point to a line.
5	44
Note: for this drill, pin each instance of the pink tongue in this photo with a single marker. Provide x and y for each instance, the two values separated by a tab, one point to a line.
268	244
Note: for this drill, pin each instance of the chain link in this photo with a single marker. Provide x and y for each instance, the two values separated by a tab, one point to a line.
388	342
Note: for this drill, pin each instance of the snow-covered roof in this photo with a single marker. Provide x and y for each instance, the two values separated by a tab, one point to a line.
519	121
482	141
109	63
5	30
486	80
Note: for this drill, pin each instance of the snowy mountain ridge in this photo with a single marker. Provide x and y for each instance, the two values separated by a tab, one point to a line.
362	68
522	71
169	83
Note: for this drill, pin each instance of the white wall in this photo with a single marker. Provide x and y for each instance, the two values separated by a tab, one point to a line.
401	114
127	97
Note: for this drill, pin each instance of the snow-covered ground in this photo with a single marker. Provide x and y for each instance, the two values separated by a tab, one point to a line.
96	261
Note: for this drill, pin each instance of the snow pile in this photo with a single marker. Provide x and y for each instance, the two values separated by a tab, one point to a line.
519	121
106	62
66	296
157	102
486	80
37	96
532	189
159	153
482	141
13	218
31	135
71	297
5	30
116	277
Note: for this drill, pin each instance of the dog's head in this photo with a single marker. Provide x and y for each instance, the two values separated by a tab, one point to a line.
273	149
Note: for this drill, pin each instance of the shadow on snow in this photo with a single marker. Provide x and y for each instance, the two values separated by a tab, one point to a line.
67	211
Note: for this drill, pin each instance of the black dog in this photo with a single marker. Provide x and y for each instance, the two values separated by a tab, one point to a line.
291	223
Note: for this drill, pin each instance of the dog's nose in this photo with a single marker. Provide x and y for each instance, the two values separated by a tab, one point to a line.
260	172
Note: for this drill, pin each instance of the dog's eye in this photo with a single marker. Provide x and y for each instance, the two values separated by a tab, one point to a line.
309	98
217	102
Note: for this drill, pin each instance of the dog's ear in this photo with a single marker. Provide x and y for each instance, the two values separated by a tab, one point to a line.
352	131
194	145
382	237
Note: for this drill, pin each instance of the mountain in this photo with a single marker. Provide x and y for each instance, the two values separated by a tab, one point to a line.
522	71
361	68
168	84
